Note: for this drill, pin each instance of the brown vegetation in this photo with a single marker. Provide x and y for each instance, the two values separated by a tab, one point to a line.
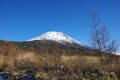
12	57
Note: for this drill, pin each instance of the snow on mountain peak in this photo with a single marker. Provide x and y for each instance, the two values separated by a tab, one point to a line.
56	36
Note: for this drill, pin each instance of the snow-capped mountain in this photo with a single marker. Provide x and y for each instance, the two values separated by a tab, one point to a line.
56	36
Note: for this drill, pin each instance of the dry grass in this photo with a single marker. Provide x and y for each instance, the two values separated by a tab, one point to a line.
36	60
81	62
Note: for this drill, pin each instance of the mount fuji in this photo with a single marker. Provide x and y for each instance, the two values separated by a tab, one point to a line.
56	36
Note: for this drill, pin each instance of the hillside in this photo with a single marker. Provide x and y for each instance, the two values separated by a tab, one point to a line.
46	55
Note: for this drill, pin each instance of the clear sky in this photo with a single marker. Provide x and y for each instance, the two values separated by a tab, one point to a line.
24	19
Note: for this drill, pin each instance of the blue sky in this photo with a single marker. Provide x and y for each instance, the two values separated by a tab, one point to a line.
24	19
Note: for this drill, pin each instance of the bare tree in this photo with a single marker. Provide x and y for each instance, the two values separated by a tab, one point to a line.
101	41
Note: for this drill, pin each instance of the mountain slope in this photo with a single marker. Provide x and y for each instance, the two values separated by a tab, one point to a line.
56	36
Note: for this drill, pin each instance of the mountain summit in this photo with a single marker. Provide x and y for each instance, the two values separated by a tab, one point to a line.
56	36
